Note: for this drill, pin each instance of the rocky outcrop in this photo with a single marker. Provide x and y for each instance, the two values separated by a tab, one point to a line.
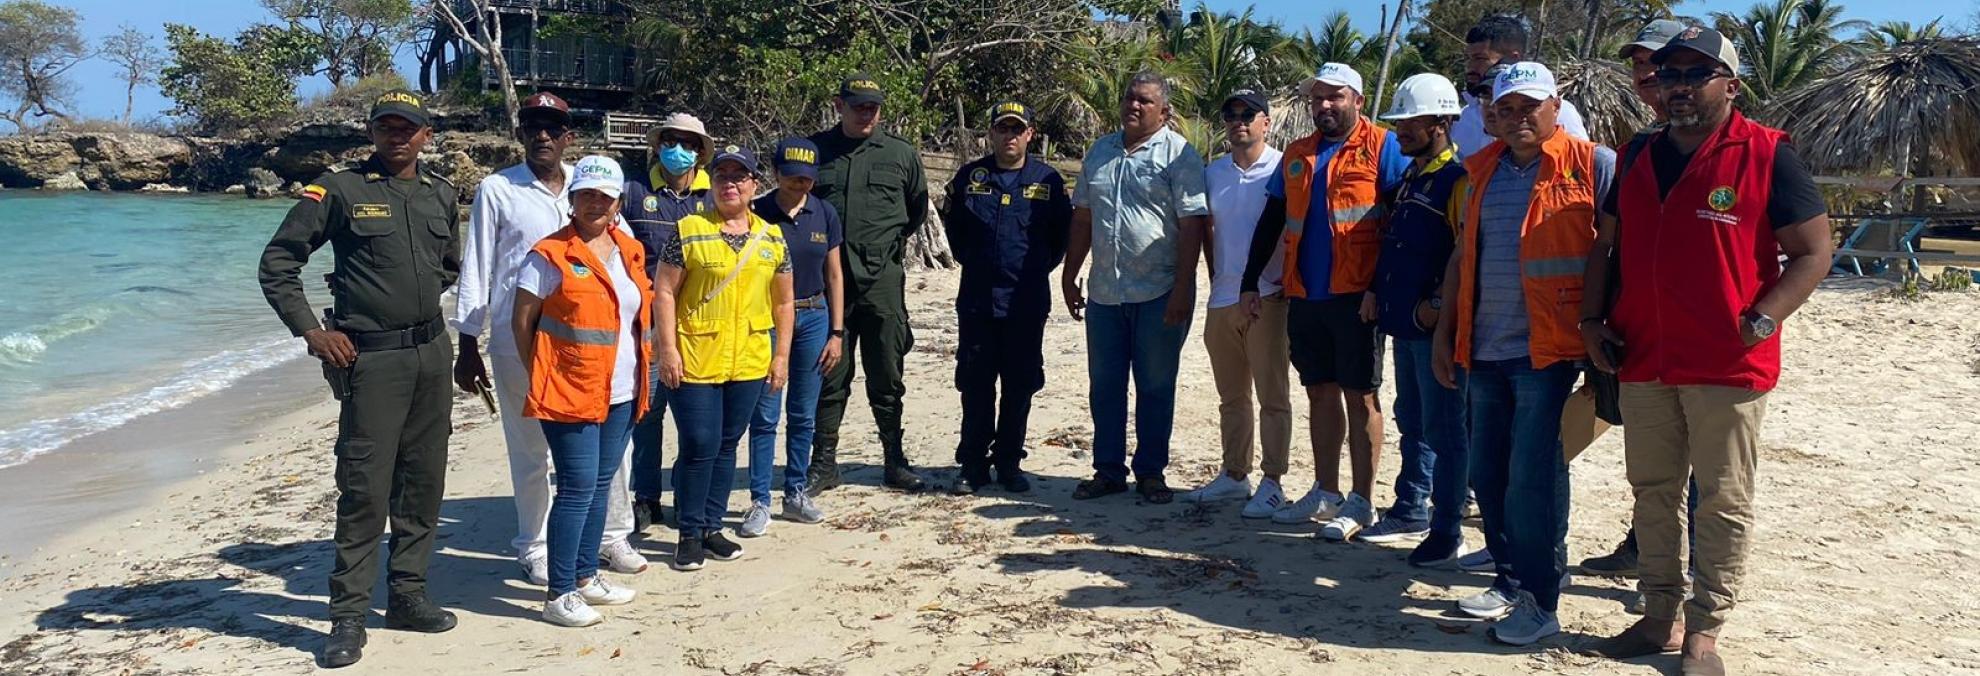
65	181
116	161
263	183
311	150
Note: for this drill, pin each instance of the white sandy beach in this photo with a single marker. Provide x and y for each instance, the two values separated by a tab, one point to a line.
1864	561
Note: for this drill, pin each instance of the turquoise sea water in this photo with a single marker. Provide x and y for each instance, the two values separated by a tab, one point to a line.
116	306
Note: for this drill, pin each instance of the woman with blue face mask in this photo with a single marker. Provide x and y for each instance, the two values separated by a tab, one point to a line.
673	186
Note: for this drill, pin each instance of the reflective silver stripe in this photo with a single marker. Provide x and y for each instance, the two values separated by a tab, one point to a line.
1353	214
1567	266
691	239
569	334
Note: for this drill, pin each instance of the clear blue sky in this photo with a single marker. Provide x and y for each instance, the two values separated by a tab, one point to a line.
101	95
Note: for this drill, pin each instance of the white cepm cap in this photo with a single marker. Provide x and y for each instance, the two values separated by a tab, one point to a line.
1529	78
599	173
1425	94
1338	75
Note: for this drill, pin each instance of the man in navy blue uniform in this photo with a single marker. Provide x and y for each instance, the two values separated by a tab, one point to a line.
1006	217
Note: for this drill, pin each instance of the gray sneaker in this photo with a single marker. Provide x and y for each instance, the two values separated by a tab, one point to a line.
756	522
1490	604
799	507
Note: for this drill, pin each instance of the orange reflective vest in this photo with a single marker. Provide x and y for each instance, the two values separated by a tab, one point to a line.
1554	241
1354	205
577	337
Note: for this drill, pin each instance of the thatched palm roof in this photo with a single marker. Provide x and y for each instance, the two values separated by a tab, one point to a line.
1918	102
1607	99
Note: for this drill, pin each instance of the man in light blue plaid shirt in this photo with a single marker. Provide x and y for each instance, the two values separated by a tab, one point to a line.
1141	210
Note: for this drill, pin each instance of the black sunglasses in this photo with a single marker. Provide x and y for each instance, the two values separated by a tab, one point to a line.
1244	116
1011	129
555	130
1690	77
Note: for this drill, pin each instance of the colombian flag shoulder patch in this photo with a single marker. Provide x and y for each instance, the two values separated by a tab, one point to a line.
313	192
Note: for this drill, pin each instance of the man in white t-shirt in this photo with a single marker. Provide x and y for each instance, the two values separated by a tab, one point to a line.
1248	352
514	209
1492	41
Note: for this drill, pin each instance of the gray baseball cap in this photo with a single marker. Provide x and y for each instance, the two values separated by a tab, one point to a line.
1653	37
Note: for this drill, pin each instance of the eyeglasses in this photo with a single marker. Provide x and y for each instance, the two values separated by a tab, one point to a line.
675	140
1245	116
734	177
1009	129
1689	77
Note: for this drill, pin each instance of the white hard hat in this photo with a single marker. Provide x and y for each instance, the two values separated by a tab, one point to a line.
1425	94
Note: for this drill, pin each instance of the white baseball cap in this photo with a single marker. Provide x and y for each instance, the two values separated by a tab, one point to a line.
1530	78
1338	75
599	173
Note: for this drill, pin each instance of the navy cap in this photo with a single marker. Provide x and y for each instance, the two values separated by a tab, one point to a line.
1251	98
860	89
796	157
1010	109
1653	37
737	154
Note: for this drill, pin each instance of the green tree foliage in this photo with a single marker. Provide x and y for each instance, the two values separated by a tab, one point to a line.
346	39
1890	34
221	85
1559	29
1787	44
39	43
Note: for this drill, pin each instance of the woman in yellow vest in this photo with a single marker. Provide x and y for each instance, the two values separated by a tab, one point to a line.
582	321
724	282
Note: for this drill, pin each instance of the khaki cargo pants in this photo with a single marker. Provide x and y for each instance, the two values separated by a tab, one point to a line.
1672	433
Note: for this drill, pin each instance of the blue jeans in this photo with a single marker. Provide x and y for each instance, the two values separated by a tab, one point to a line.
647	470
799	404
1518	472
1435	467
1131	340
711	419
585	455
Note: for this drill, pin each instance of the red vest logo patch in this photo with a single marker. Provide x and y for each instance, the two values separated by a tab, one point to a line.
1722	198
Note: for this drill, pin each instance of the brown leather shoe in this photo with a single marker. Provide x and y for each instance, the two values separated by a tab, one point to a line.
1632	643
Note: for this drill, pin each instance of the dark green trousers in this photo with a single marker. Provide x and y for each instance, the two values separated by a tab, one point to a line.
881	338
391	467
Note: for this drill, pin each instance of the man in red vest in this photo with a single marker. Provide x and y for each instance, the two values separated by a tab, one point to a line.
1700	218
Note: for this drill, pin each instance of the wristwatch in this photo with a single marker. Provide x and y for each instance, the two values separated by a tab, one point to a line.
1762	326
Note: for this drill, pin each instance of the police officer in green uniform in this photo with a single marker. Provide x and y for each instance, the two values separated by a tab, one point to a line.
875	180
391	227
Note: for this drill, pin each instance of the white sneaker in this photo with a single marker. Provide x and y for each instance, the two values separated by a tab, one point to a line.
570	610
619	557
1354	515
602	593
536	569
1319	503
1490	604
1220	489
1478	561
1266	501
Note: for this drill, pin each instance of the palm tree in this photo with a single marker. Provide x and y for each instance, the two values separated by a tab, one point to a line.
1910	109
1787	44
1605	95
1889	34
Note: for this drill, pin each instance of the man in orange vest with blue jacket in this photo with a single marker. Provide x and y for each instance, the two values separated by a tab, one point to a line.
1510	336
1327	203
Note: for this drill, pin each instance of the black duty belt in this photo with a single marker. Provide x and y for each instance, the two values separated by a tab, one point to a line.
398	339
814	302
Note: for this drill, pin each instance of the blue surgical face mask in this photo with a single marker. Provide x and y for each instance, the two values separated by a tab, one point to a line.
677	159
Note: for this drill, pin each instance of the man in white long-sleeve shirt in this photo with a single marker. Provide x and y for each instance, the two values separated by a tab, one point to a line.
513	209
1494	40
